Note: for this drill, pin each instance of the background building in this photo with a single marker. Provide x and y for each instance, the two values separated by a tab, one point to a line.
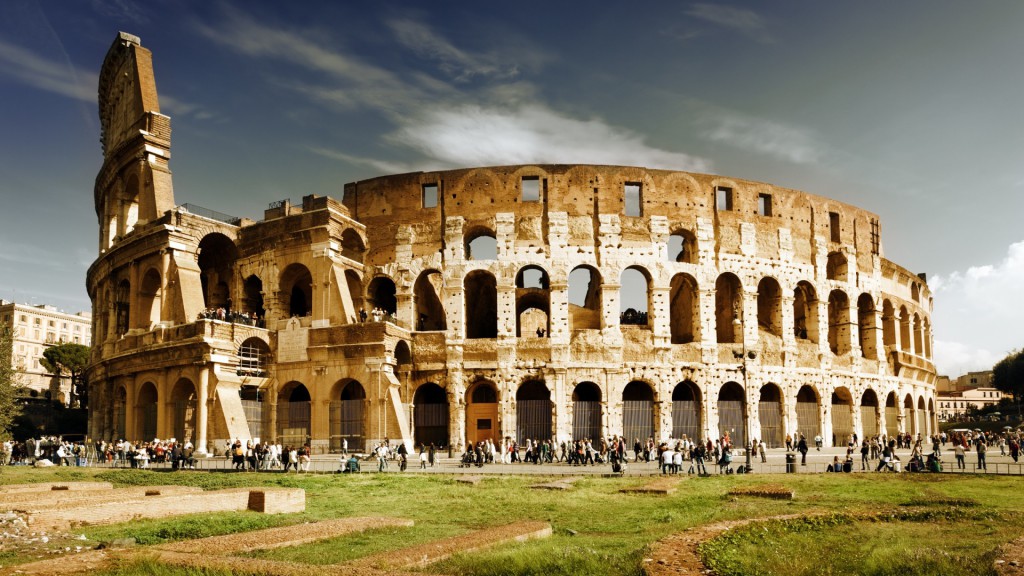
35	327
534	302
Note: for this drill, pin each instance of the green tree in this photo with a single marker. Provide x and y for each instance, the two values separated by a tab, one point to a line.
69	360
1008	375
9	384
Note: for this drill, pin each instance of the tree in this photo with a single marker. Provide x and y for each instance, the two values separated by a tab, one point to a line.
9	384
70	360
1008	375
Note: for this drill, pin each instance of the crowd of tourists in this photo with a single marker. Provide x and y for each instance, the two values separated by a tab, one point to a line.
228	315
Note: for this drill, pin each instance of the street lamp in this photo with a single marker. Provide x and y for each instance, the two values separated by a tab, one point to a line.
737	322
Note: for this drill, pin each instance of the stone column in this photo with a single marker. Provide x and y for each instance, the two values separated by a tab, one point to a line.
202	411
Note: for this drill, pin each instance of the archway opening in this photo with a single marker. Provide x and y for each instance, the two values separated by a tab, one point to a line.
842	417
728	307
149	299
684	309
892	415
533	412
183	397
634	297
836	267
769	415
254	358
584	298
120	409
382	295
430	313
481	292
297	290
217	255
481	244
838	322
146	411
253	302
586	411
686	417
805	312
293	414
533	302
682	247
867	326
732	413
482	413
430	415
638	418
869	414
769	306
352	245
348	417
808	413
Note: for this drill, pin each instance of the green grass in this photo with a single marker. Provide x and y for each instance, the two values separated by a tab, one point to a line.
599	530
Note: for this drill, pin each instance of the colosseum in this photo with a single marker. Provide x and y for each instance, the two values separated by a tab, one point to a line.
534	301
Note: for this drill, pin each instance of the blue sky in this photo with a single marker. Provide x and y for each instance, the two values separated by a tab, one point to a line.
908	109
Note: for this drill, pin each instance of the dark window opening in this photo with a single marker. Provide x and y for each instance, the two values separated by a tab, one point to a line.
723	199
764	204
833	224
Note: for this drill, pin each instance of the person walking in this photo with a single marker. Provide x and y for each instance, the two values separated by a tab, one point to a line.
959	452
982	449
802	448
864	451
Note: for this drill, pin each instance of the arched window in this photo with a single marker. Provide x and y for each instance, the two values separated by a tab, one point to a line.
686	412
805	312
481	293
122	307
769	306
839	322
638	418
769	415
293	409
297	290
905	329
728	308
836	267
382	296
348	420
682	247
869	414
533	412
533	302
888	324
253	302
808	413
430	313
481	244
684	309
149	299
842	416
584	298
867	323
217	255
253	358
146	412
352	245
586	411
634	297
732	413
430	415
184	399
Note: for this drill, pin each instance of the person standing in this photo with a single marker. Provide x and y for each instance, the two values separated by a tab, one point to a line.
959	452
802	448
864	451
982	449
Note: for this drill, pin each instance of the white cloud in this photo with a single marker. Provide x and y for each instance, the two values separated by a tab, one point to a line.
745	22
785	142
41	73
978	314
453	61
383	166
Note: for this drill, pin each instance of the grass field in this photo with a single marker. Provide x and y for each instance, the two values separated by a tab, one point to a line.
931	524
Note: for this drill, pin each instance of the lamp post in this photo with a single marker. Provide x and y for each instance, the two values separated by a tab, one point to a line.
737	321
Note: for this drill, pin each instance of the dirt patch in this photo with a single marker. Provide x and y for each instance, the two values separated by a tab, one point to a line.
54	486
293	535
773	491
560	484
1010	559
418	556
469	479
662	486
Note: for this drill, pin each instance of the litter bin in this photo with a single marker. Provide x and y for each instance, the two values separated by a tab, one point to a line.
790	463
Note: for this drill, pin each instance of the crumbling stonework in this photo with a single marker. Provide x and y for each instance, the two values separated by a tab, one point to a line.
554	301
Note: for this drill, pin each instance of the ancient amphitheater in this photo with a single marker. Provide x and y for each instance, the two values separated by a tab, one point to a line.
539	301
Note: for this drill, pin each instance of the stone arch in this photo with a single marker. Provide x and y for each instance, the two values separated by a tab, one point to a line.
842	416
728	308
430	314
128	217
888	324
915	292
869	414
927	336
909	422
293	414
353	246
905	338
382	294
533	412
254	357
482	412
892	415
481	293
770	411
867	323
252	297
682	247
122	307
585	298
430	415
119	420
684	309
146	408
808	413
639	419
403	355
297	290
348	416
586	411
922	418
918	339
150	299
481	244
805	312
839	322
184	399
686	411
533	302
769	306
633	309
732	412
216	260
836	267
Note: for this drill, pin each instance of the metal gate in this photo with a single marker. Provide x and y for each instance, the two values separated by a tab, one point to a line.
254	417
869	421
533	420
686	420
892	421
185	420
637	420
586	420
148	422
769	414
808	420
293	423
730	419
431	422
347	424
842	424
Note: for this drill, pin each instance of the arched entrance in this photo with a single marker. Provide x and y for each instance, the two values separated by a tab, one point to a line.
145	410
922	418
183	396
808	413
842	417
686	411
293	404
120	402
482	413
586	411
892	416
769	414
732	413
348	422
638	418
430	415
297	290
869	414
533	412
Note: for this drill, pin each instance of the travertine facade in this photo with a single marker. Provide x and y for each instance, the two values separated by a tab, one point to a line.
526	301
